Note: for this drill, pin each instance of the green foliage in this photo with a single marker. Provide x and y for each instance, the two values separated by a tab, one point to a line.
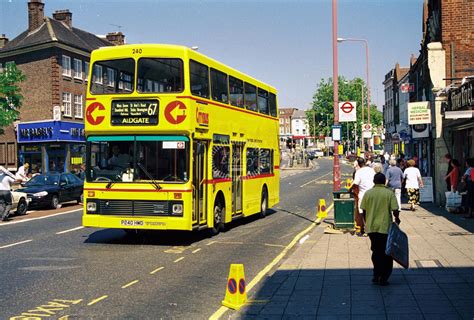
10	97
321	115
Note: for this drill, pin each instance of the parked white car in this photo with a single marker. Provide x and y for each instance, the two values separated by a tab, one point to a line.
20	203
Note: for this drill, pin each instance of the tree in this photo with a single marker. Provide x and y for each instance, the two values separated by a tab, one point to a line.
321	115
10	97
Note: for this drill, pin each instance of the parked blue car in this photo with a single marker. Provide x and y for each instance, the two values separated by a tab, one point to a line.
52	189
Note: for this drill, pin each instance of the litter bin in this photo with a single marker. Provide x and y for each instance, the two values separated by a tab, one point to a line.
343	209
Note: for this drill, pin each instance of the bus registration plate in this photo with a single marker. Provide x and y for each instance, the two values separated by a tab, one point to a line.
134	112
131	222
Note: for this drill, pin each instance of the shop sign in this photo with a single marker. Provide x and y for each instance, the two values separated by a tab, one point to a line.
50	131
419	113
420	131
462	97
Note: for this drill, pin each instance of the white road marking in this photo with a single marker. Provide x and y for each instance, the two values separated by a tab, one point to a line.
156	270
39	218
302	240
73	229
129	284
15	244
197	250
178	260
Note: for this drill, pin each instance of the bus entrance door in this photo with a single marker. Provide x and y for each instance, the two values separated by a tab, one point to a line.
199	182
237	151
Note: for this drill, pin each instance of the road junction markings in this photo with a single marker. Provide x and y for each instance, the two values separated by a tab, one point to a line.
15	244
50	308
220	312
314	180
39	218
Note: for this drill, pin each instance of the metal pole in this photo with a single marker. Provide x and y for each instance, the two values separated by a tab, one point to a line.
368	79
362	126
336	169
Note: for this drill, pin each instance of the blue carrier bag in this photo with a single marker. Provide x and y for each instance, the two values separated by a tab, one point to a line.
397	245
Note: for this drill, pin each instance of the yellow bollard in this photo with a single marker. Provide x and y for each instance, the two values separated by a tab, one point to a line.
322	211
348	183
236	294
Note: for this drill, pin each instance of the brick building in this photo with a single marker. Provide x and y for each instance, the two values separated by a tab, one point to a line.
443	75
54	56
285	124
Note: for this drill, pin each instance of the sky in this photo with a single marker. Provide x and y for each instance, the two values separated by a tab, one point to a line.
285	43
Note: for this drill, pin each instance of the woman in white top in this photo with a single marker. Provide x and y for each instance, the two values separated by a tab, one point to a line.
413	183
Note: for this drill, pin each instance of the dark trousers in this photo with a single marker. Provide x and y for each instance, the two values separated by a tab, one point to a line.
383	264
5	203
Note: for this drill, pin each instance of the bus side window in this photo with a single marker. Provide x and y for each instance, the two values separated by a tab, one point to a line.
219	86
199	78
250	97
236	87
272	104
262	101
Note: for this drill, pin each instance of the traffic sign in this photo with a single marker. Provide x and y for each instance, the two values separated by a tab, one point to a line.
367	127
175	117
347	111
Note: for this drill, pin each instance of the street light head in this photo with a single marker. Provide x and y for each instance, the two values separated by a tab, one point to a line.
195	48
341	39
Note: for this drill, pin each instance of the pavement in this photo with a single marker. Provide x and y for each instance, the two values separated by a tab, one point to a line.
328	276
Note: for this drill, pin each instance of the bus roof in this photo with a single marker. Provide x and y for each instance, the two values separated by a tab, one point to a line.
178	50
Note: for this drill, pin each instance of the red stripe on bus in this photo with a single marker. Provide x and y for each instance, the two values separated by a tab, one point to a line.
259	176
90	99
212	181
225	106
135	190
277	167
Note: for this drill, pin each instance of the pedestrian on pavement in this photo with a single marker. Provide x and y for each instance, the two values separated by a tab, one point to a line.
22	172
448	159
378	205
385	164
363	181
6	179
453	176
468	179
394	178
413	183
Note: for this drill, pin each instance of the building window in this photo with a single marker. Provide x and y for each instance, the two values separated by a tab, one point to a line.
78	106
77	69
86	70
66	66
67	104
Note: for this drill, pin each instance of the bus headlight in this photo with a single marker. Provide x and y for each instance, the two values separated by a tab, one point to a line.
91	207
177	208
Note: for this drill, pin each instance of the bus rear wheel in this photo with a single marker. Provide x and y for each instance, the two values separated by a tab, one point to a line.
264	203
219	214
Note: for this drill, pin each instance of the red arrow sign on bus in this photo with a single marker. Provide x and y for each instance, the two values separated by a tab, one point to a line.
169	110
98	118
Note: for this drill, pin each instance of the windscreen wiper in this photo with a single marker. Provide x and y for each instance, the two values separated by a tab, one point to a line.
153	181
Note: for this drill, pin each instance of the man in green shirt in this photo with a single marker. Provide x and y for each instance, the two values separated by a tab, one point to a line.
377	205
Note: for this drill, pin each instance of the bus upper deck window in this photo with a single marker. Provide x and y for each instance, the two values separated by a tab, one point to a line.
160	75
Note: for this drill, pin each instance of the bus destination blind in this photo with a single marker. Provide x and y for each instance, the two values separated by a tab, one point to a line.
130	112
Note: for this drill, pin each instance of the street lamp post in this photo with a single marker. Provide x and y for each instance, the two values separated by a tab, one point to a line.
336	169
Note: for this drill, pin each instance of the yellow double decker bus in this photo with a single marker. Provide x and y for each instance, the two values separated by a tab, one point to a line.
176	141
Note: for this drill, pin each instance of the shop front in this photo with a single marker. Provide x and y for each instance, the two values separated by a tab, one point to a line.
459	121
51	145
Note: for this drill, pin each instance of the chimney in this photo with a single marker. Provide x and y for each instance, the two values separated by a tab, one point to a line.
64	16
117	38
35	14
3	41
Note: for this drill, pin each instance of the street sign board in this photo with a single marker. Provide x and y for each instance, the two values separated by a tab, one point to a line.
407	87
328	142
419	113
336	132
347	111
